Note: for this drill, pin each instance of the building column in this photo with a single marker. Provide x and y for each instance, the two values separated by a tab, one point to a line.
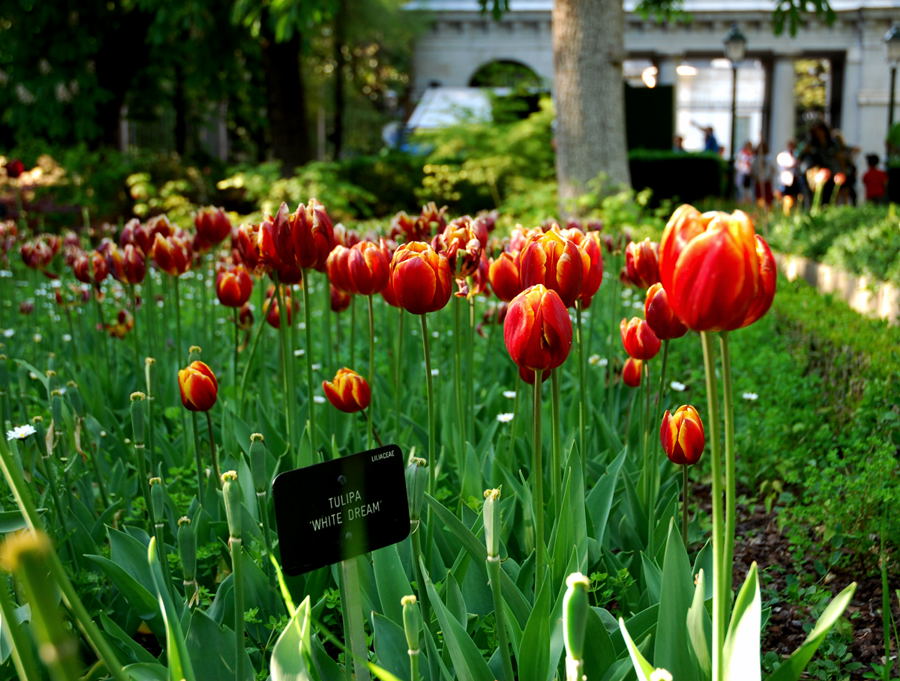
782	116
666	77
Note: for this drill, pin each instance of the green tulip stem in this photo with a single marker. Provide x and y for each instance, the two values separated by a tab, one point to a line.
212	449
460	449
198	459
661	386
353	620
135	340
237	341
685	491
397	355
537	477
555	453
730	491
236	546
493	570
352	335
720	595
470	371
23	659
21	492
284	327
582	385
429	392
371	409
310	386
250	355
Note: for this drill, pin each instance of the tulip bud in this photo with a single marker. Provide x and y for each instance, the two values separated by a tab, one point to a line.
631	372
258	454
420	278
412	623
504	277
416	483
660	316
681	435
138	417
187	549
642	263
719	275
491	514
231	493
575	610
234	286
348	391
158	501
198	386
638	338
537	329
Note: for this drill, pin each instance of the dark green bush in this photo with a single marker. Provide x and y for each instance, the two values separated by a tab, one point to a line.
683	176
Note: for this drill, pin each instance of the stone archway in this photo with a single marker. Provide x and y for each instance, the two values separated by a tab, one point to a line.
509	73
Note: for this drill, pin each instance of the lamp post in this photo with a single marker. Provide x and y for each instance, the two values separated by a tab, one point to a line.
892	40
735	49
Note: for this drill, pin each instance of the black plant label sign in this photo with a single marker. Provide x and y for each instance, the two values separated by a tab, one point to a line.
341	508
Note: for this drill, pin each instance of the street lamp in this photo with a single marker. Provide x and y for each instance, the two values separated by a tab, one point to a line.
735	49
892	40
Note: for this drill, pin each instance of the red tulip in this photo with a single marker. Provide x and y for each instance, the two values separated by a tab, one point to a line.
718	274
272	311
840	178
527	375
660	316
555	262
420	278
234	286
127	264
172	254
198	386
631	372
14	168
537	329
638	338
593	276
642	263
462	242
245	318
681	435
348	391
340	300
312	235
337	268
368	268
245	243
504	277
212	226
275	247
123	324
90	268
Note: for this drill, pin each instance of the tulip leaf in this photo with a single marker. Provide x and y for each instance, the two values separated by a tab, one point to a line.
792	668
671	648
391	581
534	649
741	653
214	649
142	601
291	653
11	521
468	662
390	646
146	671
600	499
599	654
699	627
180	668
642	668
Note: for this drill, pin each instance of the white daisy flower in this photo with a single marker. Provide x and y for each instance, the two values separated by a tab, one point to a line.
37	338
506	417
750	396
67	338
9	333
677	386
316	367
299	352
509	394
435	372
318	399
20	432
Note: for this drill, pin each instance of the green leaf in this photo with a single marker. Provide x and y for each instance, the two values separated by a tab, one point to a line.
391	581
642	668
146	671
390	646
180	668
11	521
699	628
214	649
466	657
142	601
600	499
792	668
671	649
290	655
599	654
534	650
741	654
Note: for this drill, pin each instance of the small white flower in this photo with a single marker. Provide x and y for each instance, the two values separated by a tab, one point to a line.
677	386
37	338
506	417
302	326
509	394
597	361
67	338
299	352
637	305
316	367
20	432
9	333
750	396
435	334
5	274
435	372
56	283
318	399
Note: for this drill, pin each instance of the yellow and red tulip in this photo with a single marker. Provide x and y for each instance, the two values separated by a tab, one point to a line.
681	435
90	268
368	268
234	286
198	386
420	278
537	329
504	276
172	254
660	315
555	262
212	226
642	263
638	338
348	391
718	274
631	372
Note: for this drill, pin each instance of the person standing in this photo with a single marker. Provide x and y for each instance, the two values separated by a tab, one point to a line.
743	173
762	171
875	181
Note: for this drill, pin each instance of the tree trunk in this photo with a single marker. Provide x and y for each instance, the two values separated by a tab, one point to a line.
340	38
588	50
285	101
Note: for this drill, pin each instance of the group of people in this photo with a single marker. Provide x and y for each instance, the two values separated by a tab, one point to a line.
760	179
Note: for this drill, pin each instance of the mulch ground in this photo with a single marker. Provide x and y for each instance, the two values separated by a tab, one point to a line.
760	539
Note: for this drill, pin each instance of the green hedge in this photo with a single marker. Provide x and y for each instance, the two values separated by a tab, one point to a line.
683	176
